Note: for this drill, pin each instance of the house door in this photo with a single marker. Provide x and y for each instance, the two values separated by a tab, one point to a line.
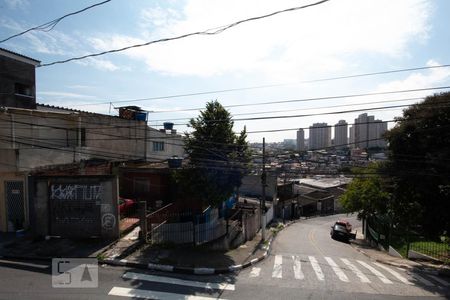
15	205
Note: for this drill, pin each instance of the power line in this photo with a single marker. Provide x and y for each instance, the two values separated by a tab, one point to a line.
211	31
302	109
264	86
313	99
137	128
317	114
86	115
51	24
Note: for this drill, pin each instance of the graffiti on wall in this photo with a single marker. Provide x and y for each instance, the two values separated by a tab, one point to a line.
76	191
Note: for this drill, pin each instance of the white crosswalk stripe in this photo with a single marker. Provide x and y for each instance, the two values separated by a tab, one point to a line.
342	268
422	280
151	294
441	281
375	272
298	274
148	294
277	267
394	273
340	274
315	265
355	270
255	272
171	280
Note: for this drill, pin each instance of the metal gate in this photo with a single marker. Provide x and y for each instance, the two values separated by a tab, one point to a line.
15	202
74	210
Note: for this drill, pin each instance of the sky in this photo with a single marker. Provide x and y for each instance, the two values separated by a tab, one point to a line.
273	57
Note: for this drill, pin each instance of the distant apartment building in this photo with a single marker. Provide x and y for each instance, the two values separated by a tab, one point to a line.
319	136
351	137
341	134
301	140
368	132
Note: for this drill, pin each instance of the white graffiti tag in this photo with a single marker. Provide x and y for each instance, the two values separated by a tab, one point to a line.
76	192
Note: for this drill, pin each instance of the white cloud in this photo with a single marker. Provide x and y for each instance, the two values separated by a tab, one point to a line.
293	45
418	80
66	95
61	44
17	4
98	63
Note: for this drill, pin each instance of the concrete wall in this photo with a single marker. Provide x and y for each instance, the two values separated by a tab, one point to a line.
173	145
251	186
43	137
65	193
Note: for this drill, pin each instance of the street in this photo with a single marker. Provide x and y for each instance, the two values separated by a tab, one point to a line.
305	263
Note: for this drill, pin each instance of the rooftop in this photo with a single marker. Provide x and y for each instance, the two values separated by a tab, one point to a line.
19	57
325	182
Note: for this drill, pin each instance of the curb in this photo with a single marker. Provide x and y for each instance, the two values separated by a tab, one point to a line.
404	266
166	268
187	270
196	271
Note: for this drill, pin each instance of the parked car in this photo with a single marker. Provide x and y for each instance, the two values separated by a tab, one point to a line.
126	206
342	230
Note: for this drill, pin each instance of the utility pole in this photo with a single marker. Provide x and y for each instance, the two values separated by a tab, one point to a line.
263	200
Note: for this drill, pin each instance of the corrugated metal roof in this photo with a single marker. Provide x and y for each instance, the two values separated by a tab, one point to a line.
20	55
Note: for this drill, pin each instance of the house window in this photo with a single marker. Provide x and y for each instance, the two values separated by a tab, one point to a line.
158	146
23	90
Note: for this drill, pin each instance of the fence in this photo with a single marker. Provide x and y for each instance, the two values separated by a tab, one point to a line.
209	231
177	233
404	240
166	226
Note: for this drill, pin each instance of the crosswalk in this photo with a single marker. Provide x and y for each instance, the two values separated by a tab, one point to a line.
344	270
293	268
143	293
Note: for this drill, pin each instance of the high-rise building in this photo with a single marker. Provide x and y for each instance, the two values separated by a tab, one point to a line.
319	136
368	132
301	140
351	138
340	134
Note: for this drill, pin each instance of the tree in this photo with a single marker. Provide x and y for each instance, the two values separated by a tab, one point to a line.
218	158
419	163
367	194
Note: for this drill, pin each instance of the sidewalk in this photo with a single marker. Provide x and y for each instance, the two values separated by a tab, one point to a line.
129	251
27	247
364	247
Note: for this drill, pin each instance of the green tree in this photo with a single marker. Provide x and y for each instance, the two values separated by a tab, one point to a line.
367	194
218	158
419	163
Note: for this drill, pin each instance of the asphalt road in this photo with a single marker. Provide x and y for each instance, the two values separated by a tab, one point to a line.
305	263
